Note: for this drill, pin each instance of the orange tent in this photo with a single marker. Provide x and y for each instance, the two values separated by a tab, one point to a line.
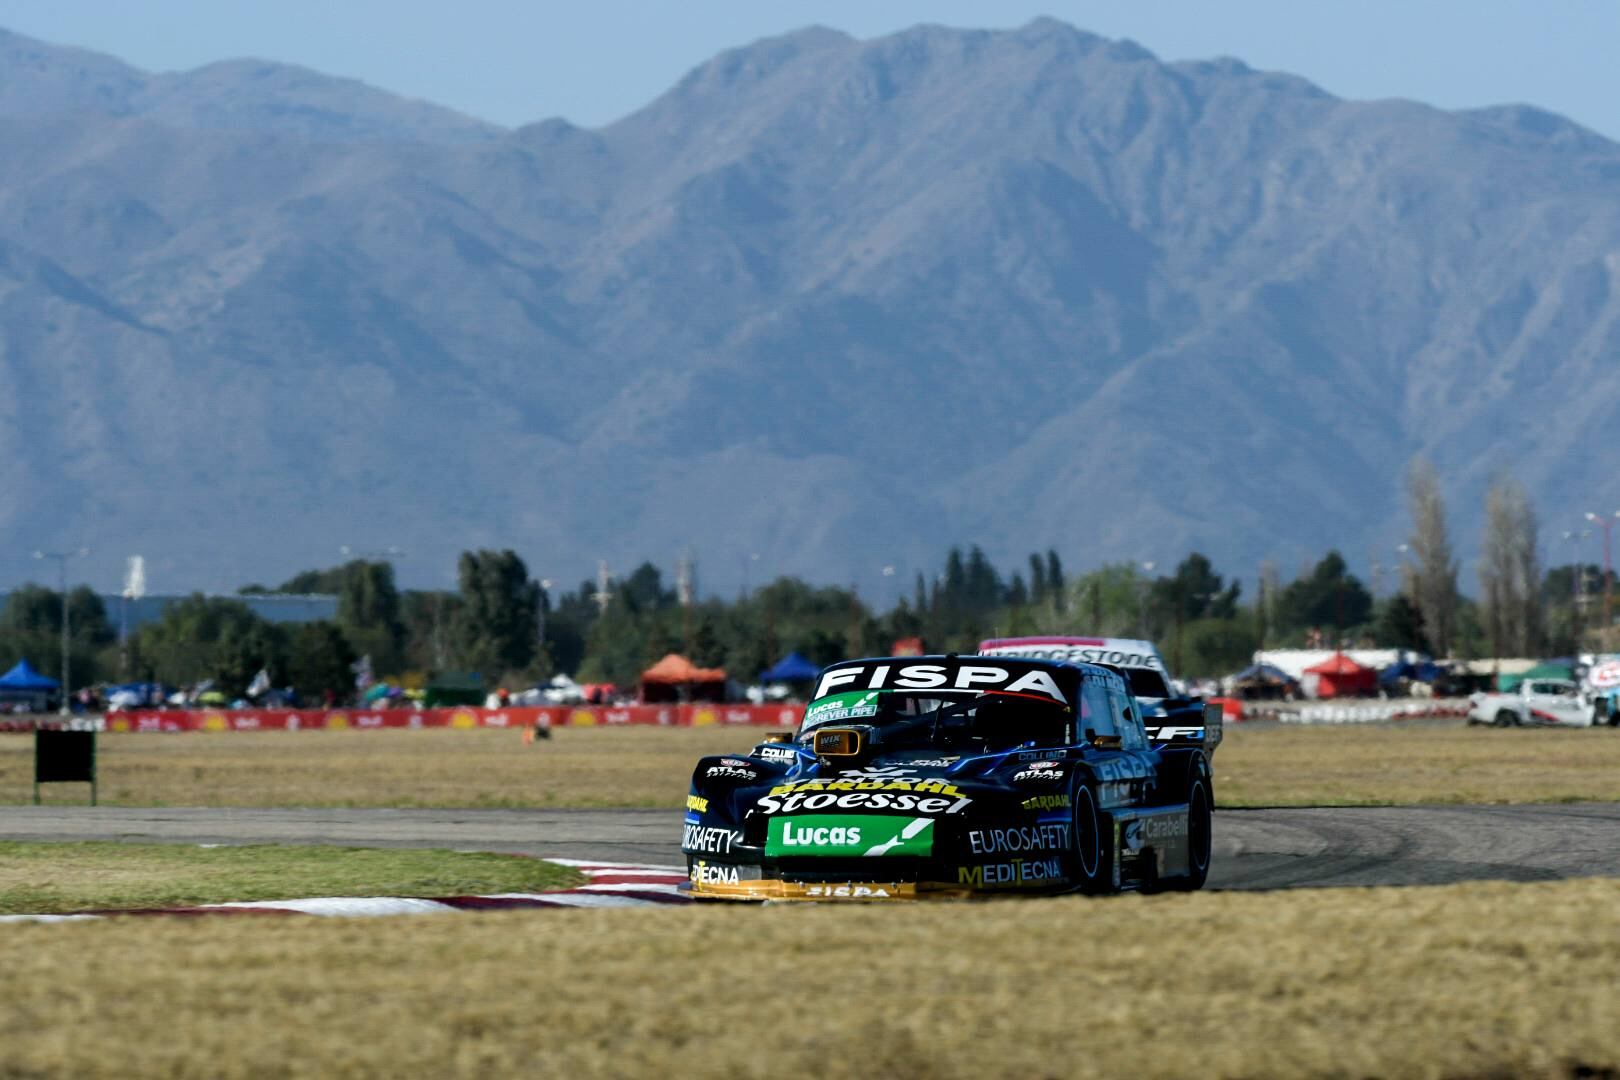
675	678
1340	676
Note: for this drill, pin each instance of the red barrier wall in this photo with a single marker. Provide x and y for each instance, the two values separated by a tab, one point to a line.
784	717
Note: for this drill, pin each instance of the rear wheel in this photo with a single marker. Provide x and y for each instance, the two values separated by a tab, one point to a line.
1200	838
1089	846
1504	718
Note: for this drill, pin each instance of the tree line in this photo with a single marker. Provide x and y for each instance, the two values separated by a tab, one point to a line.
502	623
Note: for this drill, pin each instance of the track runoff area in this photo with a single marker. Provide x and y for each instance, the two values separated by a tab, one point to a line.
1500	961
1273	828
1261	848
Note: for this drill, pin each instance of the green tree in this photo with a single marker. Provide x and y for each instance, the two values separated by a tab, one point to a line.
643	590
567	625
33	609
428	622
320	659
243	649
1113	598
982	591
1219	646
614	647
1054	578
368	613
1017	593
823	647
1037	578
206	638
1328	596
31	628
368	609
706	648
328	582
1399	625
499	618
1432	576
1194	591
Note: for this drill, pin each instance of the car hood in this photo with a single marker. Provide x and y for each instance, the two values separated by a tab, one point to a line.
928	783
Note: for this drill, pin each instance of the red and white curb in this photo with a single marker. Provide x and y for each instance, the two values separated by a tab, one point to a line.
609	885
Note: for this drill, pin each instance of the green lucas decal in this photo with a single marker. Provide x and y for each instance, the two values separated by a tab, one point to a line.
850	705
820	834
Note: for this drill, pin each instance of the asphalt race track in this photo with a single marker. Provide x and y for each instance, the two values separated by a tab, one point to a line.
1254	849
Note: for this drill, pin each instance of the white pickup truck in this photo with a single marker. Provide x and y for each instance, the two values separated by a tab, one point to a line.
1537	702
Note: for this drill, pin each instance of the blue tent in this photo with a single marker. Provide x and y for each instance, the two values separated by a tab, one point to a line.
24	677
1423	671
1263	673
791	668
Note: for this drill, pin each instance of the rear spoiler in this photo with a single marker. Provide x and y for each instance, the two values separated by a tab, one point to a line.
1179	732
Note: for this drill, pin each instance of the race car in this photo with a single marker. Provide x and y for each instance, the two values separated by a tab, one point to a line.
952	776
1170	717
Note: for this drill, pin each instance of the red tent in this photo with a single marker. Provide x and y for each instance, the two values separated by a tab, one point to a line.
675	678
1340	676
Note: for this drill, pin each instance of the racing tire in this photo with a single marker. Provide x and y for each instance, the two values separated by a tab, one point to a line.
1200	838
1504	718
1089	855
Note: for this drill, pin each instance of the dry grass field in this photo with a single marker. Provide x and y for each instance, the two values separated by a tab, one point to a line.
1270	766
439	767
1418	762
1466	980
85	876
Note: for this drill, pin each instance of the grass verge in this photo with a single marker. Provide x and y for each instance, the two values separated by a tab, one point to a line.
41	877
1480	979
650	767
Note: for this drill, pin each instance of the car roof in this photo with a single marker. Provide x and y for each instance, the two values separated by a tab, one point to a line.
947	669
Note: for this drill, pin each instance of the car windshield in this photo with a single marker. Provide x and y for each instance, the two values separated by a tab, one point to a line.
970	722
1146	682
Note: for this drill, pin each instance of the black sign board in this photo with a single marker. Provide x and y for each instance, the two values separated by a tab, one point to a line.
65	757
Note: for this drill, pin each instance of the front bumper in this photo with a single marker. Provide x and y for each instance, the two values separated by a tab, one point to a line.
857	891
935	878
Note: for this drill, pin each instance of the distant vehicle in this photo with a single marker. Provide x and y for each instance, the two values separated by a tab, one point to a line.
1169	717
937	776
1536	703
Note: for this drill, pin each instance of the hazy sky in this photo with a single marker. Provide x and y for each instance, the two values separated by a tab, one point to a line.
516	61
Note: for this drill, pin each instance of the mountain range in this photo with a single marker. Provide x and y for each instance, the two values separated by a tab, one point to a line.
836	303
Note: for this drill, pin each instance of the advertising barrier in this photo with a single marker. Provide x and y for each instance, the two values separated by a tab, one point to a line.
783	717
1376	712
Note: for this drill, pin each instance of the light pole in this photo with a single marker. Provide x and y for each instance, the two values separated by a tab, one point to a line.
1607	525
62	558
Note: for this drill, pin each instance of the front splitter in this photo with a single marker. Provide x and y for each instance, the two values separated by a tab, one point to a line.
867	891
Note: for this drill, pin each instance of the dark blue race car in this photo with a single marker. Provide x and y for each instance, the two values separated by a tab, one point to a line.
938	776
